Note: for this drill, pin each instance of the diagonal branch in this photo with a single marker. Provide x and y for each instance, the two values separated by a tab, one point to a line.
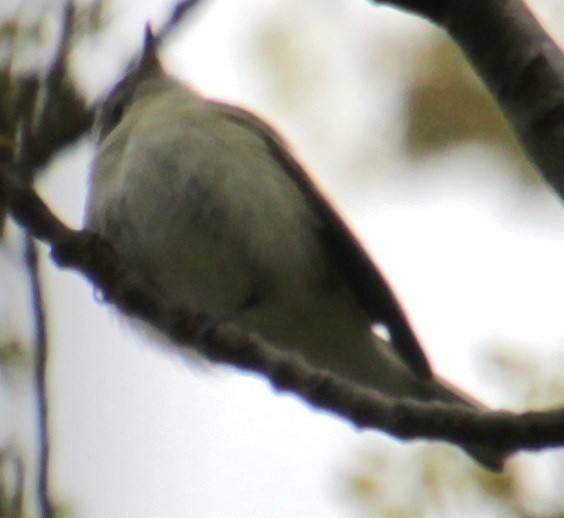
520	64
98	261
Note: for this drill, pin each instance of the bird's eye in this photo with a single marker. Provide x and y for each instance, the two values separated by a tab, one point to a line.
116	113
107	118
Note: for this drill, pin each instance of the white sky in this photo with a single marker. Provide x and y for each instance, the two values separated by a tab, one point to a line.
138	433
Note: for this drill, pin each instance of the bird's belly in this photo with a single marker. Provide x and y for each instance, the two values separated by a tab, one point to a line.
225	241
230	235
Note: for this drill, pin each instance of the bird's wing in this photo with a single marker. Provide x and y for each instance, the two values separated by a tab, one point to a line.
370	286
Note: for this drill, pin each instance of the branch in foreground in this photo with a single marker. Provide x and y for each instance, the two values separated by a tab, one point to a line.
406	419
519	62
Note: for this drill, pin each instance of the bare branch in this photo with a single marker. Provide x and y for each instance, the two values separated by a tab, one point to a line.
59	113
54	79
35	127
521	65
98	261
40	346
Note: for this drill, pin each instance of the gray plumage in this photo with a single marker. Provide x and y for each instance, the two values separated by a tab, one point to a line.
206	201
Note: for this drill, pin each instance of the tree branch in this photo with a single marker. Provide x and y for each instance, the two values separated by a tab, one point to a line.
520	64
40	342
63	116
41	347
33	129
98	261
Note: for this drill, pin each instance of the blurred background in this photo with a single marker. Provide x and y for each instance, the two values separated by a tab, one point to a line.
393	124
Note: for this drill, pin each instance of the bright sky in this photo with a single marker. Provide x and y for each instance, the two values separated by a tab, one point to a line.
138	433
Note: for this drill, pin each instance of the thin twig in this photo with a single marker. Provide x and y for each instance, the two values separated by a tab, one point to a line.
32	127
53	81
40	345
39	339
40	369
60	114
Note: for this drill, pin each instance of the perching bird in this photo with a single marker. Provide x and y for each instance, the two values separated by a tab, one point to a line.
206	200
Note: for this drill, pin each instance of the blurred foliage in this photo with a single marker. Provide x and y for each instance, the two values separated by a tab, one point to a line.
295	70
446	103
46	99
533	381
446	479
90	17
11	483
63	113
39	101
436	479
13	355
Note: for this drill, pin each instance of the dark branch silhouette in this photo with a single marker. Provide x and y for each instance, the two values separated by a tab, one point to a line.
33	127
98	261
40	129
520	64
53	91
64	117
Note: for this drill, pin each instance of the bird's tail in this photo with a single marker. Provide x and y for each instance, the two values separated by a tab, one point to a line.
491	458
388	374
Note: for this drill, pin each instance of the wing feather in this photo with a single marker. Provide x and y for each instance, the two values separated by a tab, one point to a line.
369	284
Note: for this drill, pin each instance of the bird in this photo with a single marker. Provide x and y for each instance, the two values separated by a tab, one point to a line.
208	201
